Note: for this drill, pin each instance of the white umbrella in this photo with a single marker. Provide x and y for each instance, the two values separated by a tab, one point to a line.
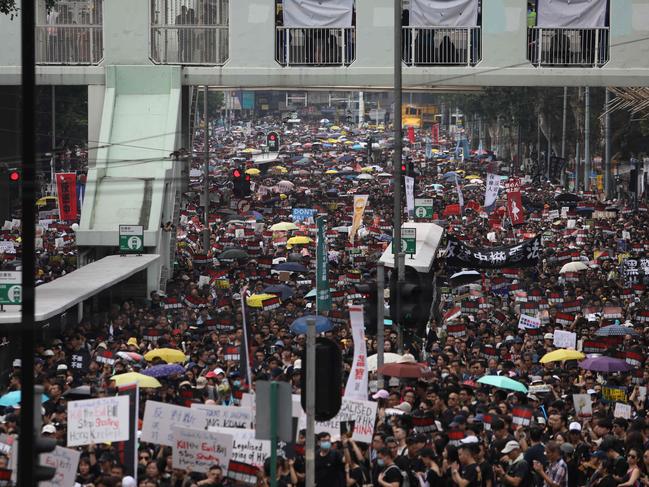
388	358
573	267
364	176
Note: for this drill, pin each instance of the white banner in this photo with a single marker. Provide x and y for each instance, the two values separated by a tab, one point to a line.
160	418
65	461
198	450
357	383
102	420
460	196
318	13
444	13
227	416
410	195
491	191
572	13
360	202
363	413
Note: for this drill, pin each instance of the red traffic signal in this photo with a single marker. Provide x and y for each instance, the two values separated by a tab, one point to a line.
403	168
14	175
247	177
272	137
236	173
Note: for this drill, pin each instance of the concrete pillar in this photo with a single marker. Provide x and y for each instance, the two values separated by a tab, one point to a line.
95	110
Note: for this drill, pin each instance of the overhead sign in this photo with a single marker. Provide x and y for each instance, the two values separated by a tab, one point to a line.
424	207
11	290
131	239
409	240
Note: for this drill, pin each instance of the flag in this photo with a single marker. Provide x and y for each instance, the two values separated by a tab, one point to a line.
357	382
360	202
323	294
435	133
411	135
460	196
244	363
66	190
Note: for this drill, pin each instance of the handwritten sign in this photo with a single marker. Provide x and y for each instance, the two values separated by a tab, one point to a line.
198	450
583	405
614	394
622	410
160	418
65	461
245	447
363	413
529	322
99	420
227	416
565	339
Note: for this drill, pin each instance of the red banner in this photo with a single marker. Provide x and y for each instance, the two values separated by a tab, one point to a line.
66	189
411	134
515	208
435	133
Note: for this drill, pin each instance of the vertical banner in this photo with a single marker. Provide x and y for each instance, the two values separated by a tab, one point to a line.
491	192
357	383
411	135
66	189
514	201
429	150
460	196
323	293
360	202
410	195
244	361
435	133
127	450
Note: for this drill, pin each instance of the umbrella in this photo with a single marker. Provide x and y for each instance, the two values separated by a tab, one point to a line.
284	227
322	324
605	364
365	176
164	370
130	356
233	254
573	267
388	358
300	240
133	377
13	399
253	171
331	171
450	176
294	257
291	267
256	300
615	331
567	197
561	355
311	294
502	382
282	290
464	277
81	392
169	355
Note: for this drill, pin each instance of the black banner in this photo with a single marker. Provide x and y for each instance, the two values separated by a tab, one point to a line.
525	254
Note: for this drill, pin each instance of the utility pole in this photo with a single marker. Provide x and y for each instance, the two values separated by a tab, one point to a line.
607	146
587	140
380	316
53	159
548	155
538	144
26	456
309	454
577	167
361	108
563	125
206	176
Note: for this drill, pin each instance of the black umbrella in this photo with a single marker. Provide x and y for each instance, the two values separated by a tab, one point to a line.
566	197
463	278
234	254
291	267
294	257
81	392
282	290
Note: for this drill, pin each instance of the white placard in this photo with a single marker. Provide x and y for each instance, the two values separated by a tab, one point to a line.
410	194
357	382
160	418
622	410
227	416
526	322
7	247
363	413
198	450
583	405
65	461
565	339
101	420
245	447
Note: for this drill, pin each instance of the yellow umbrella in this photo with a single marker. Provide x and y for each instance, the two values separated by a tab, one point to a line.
279	169
133	377
331	171
367	169
284	227
460	171
472	176
255	300
561	355
332	141
335	127
169	355
253	171
300	240
349	142
44	200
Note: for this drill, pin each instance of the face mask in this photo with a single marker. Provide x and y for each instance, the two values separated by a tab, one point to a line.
236	383
325	445
380	462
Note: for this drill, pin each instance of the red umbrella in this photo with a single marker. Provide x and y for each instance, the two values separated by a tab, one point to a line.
453	209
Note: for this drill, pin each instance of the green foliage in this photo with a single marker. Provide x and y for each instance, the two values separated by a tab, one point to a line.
8	7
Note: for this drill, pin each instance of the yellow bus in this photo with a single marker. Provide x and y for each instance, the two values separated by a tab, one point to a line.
418	116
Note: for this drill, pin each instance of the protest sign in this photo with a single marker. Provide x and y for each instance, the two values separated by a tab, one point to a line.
583	405
622	411
521	416
363	413
160	418
565	339
227	416
198	450
613	394
529	322
99	420
245	447
65	461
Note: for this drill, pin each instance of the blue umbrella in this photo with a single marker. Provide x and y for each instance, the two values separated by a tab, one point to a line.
13	399
284	291
291	267
322	324
615	330
258	216
450	176
164	370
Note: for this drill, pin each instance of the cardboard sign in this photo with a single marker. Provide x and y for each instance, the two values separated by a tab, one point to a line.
99	420
160	418
363	413
198	450
227	416
565	339
622	410
583	405
245	447
65	461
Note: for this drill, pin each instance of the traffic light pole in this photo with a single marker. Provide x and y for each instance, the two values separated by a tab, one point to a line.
206	177
309	455
380	326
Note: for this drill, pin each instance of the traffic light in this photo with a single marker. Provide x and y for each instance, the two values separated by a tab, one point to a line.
41	444
415	293
328	379
240	183
272	141
14	176
370	308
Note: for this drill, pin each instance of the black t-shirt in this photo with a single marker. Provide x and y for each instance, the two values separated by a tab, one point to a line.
329	469
472	474
393	474
520	469
487	473
356	474
620	467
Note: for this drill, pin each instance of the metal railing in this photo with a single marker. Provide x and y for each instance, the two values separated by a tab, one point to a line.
69	44
315	46
568	47
435	46
189	44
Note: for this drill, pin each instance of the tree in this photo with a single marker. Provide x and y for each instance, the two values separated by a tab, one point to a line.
9	7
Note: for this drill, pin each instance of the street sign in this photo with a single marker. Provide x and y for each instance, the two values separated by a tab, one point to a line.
131	239
424	207
283	427
409	240
11	289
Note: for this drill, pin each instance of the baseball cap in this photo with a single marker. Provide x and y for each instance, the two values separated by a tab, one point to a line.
405	407
548	336
48	353
61	367
511	446
17	363
49	429
574	426
381	394
469	440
